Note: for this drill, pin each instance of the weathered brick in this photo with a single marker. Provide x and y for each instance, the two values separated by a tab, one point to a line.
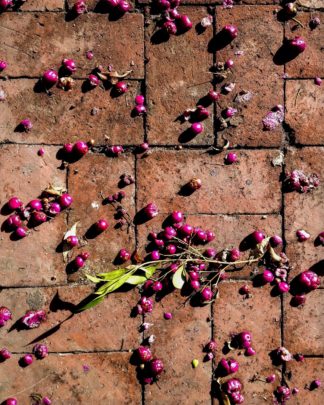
91	176
304	112
31	55
110	322
302	374
252	186
311	3
178	342
67	117
303	326
177	77
253	71
42	5
230	232
111	379
309	63
304	211
32	260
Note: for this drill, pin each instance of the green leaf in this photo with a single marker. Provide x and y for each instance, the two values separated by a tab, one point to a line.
178	278
149	271
135	280
112	285
92	303
93	279
112	275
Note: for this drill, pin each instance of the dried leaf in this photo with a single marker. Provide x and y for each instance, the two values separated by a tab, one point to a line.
274	256
263	246
178	278
137	258
226	400
71	231
278	160
54	190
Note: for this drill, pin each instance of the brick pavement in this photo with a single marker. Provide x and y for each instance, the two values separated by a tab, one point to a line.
90	352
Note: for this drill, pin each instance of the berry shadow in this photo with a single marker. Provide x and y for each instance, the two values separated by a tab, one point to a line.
318	268
200	29
140	217
284	54
276	361
218	42
67	157
5	210
186	136
20	128
159	37
186	190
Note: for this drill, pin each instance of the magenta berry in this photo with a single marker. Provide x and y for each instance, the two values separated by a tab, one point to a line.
144	354
111	3
72	241
232	385
39	218
231	158
21	232
282	393
169	233
283	354
315	384
258	236
196	128
11	401
213	95
283	287
5	315
4	4
195	184
32	319
159	243
80	148
80	7
170	27
302	235
124	255
27	359
229	63
93	80
26	124
65	200
14	203
229	112
139	100
69	65
210	236
151	210
308	280
245	289
184	23
267	276
167	315
41	152
116	150
234	255
139	110
14	221
195	285
78	262
4	354
144	146
84	255
68	147
298	44
123	6
146	304
298	300
228	366
50	77
201	235
206	295
101	225
156	367
237	398
271	378
35	205
201	113
54	208
157	286
171	249
210	253
230	31
155	255
275	241
211	346
40	351
121	87
250	351
299	357
244	339
46	401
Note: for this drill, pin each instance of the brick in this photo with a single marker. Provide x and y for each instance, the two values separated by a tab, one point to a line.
230	232
303	374
233	314
309	63
253	71
110	322
304	111
111	379
226	189
311	3
178	83
31	55
32	260
66	117
303	326
41	5
304	211
178	342
94	5
91	176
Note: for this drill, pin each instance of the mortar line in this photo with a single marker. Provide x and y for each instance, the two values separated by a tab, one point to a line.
213	82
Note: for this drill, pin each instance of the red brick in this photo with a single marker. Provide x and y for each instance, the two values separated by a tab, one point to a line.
178	342
311	3
252	186
32	260
31	55
110	322
304	211
303	326
309	63
95	5
91	176
303	374
253	71
178	83
230	231
304	111
111	379
42	5
66	117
